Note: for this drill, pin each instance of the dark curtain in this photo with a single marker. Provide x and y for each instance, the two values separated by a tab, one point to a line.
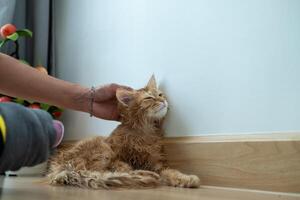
35	15
7	10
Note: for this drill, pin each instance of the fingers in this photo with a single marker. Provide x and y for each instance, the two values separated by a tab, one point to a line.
107	111
105	101
124	87
114	87
108	92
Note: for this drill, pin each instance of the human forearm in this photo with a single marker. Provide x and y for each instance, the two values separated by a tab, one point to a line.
19	80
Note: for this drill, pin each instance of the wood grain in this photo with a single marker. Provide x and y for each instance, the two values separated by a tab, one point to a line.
262	161
265	162
27	188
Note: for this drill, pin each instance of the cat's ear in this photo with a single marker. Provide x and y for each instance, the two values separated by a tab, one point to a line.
152	83
124	96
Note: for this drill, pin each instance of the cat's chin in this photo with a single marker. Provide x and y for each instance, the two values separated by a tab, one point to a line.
161	113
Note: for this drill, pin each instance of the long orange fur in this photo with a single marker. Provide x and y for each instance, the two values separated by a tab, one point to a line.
131	157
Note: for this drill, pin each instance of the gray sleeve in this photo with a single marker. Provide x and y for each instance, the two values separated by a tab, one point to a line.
29	136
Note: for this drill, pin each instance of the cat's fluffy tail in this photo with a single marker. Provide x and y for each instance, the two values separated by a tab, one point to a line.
106	180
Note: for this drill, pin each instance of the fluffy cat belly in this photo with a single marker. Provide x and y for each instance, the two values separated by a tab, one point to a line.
136	159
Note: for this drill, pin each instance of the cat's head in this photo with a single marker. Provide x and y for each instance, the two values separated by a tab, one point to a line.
148	103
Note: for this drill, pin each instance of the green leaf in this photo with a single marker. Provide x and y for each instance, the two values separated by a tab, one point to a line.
25	62
30	101
19	100
60	110
24	32
55	109
13	37
45	106
3	42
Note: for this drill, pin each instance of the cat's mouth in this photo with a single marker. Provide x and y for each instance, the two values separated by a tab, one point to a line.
162	110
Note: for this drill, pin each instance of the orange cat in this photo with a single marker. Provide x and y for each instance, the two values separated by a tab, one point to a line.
132	156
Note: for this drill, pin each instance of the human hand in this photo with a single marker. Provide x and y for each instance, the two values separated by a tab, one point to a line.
105	105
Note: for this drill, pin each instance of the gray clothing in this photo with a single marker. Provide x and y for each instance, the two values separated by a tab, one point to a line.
29	136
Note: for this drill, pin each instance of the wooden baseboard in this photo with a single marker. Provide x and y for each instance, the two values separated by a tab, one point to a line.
268	162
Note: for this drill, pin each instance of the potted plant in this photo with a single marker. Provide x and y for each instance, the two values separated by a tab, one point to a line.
10	34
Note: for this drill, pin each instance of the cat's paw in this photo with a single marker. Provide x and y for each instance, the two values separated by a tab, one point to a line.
185	181
59	179
146	173
190	181
177	179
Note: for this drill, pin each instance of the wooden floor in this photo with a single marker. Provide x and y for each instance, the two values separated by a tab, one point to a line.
33	188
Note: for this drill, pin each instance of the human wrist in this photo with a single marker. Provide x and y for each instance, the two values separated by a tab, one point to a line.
78	98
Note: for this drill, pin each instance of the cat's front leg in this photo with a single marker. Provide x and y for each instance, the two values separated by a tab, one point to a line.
175	178
120	166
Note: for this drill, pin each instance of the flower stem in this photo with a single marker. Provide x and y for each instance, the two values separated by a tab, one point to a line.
16	52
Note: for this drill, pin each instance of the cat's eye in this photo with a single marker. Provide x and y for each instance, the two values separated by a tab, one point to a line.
148	98
160	94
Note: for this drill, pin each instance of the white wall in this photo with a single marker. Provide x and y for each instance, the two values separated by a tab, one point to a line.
227	66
